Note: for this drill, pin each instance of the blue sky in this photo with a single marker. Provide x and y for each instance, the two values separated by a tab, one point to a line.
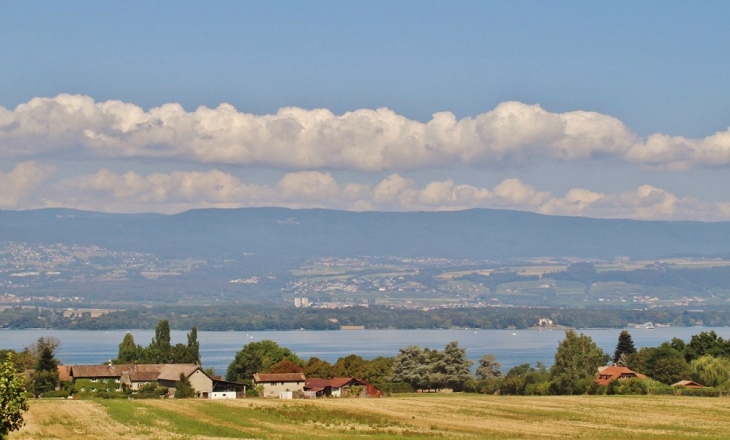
652	77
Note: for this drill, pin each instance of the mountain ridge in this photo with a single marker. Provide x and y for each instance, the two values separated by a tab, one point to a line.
471	234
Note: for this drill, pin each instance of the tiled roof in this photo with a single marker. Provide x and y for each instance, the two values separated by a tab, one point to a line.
138	372
614	372
337	382
172	371
316	383
64	373
143	376
687	384
280	377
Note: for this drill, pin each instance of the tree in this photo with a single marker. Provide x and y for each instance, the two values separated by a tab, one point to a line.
257	357
316	367
183	388
663	363
193	348
576	363
706	344
349	366
710	371
379	369
413	367
624	348
452	368
160	349
13	402
129	352
524	379
284	366
488	367
45	377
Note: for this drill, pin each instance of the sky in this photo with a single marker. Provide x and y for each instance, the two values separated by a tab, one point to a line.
598	109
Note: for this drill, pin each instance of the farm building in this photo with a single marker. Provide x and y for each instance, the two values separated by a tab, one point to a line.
276	383
607	375
687	384
134	376
340	387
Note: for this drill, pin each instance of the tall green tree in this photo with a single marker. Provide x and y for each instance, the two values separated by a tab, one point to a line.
45	377
349	366
316	367
413	366
488	367
576	364
193	348
379	369
452	368
13	402
160	349
257	357
663	363
624	348
706	343
129	351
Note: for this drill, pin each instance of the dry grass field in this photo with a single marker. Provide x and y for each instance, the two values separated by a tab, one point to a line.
436	416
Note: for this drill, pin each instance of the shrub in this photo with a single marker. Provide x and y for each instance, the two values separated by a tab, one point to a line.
394	387
61	393
655	387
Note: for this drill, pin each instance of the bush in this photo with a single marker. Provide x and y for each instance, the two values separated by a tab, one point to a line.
655	387
631	387
60	393
251	393
110	395
150	391
394	387
489	386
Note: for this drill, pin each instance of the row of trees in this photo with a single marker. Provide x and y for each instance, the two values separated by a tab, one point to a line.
258	318
160	350
576	363
427	369
705	359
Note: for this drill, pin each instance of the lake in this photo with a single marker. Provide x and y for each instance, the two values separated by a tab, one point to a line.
511	347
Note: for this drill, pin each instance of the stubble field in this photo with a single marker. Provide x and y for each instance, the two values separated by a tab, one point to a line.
414	416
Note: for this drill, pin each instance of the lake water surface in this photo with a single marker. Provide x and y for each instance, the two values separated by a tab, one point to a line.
511	347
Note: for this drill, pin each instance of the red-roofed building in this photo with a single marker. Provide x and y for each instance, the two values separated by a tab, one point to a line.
339	387
688	384
607	375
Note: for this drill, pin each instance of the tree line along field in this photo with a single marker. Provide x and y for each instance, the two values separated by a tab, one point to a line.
402	416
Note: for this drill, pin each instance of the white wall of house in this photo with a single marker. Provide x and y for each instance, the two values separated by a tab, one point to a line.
201	382
222	395
272	389
136	385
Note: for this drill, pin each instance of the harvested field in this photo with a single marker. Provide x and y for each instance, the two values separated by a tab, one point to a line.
415	416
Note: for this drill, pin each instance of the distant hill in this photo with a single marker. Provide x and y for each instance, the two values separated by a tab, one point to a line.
476	233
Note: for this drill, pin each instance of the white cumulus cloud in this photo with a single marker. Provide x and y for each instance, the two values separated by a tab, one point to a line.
362	140
106	190
20	185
